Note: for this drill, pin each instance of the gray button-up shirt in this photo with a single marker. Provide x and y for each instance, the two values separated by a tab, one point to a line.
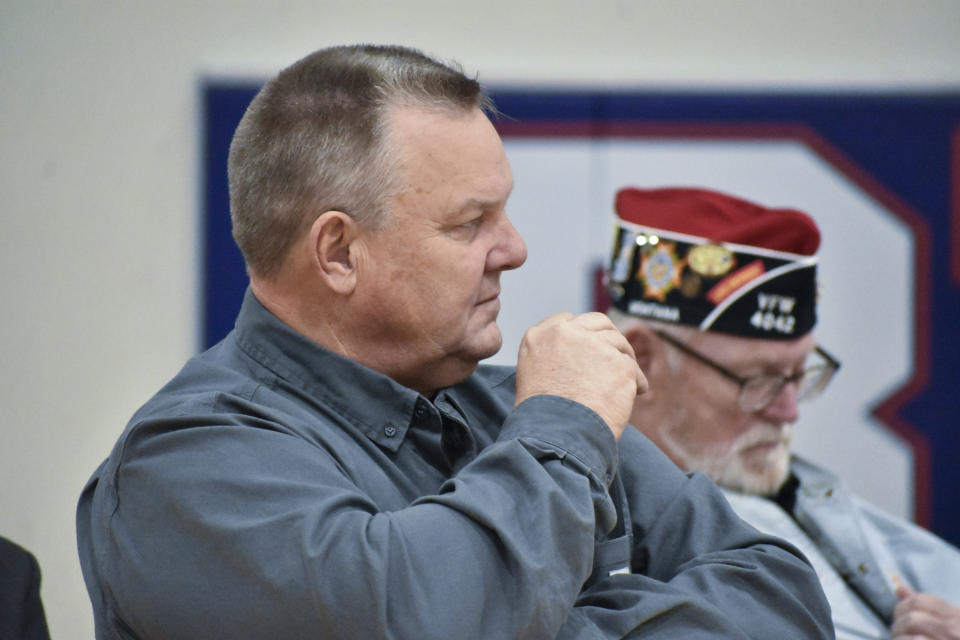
274	489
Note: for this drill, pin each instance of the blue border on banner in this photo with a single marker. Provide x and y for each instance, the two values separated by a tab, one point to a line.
902	148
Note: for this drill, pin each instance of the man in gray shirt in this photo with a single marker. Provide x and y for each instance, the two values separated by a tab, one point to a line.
339	467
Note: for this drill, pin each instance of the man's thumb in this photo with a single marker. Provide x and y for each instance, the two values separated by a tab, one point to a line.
902	590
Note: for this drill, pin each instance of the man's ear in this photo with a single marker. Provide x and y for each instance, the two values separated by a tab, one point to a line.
643	341
333	238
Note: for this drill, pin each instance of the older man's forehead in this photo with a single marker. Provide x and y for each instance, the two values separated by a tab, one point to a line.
754	351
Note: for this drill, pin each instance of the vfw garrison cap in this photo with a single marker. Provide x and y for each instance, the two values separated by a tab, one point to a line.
710	260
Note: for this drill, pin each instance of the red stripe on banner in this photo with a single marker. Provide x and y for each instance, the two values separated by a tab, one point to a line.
888	410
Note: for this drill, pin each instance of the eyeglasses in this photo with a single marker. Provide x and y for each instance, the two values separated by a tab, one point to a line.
757	392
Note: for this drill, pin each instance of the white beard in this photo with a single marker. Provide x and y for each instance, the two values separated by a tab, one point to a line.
732	466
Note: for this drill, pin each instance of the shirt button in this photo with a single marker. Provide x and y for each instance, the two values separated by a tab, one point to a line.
419	410
389	431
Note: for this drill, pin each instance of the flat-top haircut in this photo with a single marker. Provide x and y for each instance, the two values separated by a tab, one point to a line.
314	140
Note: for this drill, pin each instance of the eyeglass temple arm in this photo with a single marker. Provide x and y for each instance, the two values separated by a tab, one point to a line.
666	337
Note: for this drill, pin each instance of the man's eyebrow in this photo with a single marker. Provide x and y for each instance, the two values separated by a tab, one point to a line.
479	203
486	203
769	365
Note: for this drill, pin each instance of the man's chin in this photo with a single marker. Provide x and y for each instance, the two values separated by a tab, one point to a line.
755	478
756	486
485	343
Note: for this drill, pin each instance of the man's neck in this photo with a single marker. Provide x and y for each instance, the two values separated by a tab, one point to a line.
302	311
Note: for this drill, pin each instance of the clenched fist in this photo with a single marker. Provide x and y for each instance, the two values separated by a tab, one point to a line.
585	359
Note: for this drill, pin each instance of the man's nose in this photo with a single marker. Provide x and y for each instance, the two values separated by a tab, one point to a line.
783	408
510	251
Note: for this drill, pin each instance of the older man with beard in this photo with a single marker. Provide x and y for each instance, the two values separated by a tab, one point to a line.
717	297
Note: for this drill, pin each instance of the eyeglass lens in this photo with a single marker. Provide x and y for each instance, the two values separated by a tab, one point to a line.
759	392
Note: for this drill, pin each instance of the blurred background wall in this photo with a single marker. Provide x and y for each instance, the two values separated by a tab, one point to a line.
100	166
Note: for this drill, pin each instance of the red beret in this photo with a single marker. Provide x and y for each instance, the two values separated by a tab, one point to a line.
710	260
719	217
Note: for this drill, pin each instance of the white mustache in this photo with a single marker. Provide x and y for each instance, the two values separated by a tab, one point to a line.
764	434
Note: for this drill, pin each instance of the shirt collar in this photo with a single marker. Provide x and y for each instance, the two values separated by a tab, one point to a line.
374	403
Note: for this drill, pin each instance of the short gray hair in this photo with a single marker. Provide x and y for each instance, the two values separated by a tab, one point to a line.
313	140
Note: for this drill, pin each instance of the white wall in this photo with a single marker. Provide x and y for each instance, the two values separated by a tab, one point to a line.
99	166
